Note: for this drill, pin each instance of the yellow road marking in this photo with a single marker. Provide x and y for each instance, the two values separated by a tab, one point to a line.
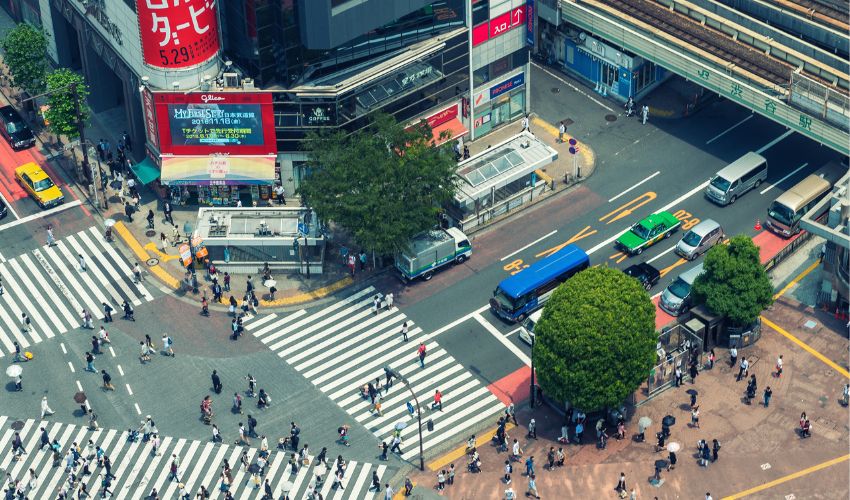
308	296
143	255
439	463
584	233
789	477
164	257
629	207
552	130
796	280
805	346
676	264
619	257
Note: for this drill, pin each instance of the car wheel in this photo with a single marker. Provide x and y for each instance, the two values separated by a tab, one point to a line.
667	234
693	256
460	259
427	276
758	182
647	286
639	251
733	198
521	318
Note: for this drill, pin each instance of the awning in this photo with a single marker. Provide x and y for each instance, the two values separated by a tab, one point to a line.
218	170
454	128
146	171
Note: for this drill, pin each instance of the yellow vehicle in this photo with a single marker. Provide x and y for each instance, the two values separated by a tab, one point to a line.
39	185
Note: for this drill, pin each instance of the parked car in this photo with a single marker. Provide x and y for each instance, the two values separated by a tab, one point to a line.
39	185
13	128
700	239
645	273
647	232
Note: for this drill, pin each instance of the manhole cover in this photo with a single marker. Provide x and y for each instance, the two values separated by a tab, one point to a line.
152	262
555	90
150	233
17	425
610	118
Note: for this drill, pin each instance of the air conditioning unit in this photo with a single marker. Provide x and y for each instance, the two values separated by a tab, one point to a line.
231	80
248	83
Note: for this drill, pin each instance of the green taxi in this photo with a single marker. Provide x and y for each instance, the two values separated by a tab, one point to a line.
647	232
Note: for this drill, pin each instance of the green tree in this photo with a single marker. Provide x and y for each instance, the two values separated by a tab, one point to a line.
595	341
384	184
734	283
25	52
63	87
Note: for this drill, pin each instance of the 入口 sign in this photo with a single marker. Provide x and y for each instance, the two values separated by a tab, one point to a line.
499	25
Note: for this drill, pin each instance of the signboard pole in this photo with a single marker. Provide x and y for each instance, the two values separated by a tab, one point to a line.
471	81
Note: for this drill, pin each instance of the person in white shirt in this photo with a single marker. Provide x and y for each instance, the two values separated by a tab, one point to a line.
45	408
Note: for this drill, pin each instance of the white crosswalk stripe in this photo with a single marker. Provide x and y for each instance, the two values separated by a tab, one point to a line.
137	471
346	345
49	286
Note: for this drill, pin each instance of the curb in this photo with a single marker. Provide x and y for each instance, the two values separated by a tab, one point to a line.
143	255
586	152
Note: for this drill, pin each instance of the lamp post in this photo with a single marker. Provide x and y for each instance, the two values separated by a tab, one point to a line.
406	383
533	392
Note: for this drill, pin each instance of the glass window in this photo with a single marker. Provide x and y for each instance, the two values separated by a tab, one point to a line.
609	74
645	75
481	76
500	66
518	102
480	11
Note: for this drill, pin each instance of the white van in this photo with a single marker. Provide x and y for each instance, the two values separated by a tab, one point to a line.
676	298
745	173
526	331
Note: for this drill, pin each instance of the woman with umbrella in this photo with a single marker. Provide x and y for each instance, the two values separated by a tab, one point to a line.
15	371
672	448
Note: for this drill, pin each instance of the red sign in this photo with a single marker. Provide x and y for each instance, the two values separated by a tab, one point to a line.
178	34
442	117
203	123
498	26
150	118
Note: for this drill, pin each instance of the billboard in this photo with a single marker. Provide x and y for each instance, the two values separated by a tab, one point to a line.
177	35
498	25
202	123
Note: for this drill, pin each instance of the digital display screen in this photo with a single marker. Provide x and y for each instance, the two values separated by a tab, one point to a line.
198	124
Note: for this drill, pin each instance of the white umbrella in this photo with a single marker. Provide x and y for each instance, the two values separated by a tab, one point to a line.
286	487
400	425
644	423
14	370
109	222
269	283
673	447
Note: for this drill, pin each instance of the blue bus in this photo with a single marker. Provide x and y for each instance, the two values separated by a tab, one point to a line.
522	293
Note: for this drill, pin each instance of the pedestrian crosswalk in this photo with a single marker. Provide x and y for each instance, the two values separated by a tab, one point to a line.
138	470
51	287
346	345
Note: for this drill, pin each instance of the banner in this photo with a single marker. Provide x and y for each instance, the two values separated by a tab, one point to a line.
177	34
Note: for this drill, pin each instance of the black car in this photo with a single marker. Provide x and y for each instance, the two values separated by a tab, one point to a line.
14	129
3	209
646	274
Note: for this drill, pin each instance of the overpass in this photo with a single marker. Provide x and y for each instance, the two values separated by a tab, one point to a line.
771	70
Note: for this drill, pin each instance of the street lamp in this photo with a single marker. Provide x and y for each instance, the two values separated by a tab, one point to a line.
532	370
92	151
406	383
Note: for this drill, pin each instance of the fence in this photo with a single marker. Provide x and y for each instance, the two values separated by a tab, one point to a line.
827	103
677	346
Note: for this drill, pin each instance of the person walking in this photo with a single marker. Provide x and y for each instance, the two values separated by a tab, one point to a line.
678	375
438	400
45	410
216	434
562	129
621	483
715	449
167	345
778	367
644	114
525	124
82	261
166	208
107	312
107	381
128	211
363	260
396	445
733	357
421	352
404	330
51	240
26	324
711	359
216	382
87	319
695	417
532	487
743	369
90	363
388	301
768	393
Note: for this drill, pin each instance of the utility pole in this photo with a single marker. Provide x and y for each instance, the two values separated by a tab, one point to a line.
82	132
406	383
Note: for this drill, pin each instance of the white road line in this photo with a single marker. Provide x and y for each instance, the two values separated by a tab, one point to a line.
570	85
501	338
780	181
662	254
513	332
130	391
32	217
138	410
721	134
2	259
79	385
773	142
254	324
57	301
126	272
456	322
9	206
38	298
71	366
636	185
112	352
86	243
120	370
62	345
538	240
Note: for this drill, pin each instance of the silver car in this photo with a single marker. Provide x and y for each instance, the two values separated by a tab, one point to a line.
700	239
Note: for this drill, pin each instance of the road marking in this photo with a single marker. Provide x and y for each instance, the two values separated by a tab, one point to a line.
130	391
636	185
120	370
662	254
62	345
504	340
768	188
458	321
728	130
570	85
766	466
513	332
71	366
2	259
9	206
538	240
789	477
806	347
79	385
797	279
112	351
138	410
54	210
773	142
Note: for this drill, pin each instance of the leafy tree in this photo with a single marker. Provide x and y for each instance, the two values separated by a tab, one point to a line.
25	52
734	283
384	183
595	341
64	86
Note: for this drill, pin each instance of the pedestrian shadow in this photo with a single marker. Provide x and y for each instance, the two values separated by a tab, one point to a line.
685	407
10	386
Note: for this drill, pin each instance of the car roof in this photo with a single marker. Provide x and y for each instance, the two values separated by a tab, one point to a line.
642	268
705	226
10	112
34	170
655	219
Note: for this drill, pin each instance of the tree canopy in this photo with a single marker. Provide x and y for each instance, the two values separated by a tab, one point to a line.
61	115
384	184
25	52
595	341
734	282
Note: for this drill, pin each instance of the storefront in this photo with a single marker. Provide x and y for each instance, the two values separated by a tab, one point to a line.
445	124
220	180
498	104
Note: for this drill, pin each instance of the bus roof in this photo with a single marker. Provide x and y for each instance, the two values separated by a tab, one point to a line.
803	192
543	271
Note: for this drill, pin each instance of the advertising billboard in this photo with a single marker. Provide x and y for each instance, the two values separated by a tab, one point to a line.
499	25
201	123
177	34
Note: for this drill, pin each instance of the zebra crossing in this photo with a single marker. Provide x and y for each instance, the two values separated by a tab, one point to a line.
48	285
346	345
138	471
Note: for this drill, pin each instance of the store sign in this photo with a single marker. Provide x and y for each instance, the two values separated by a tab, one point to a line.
316	116
414	77
529	23
202	123
150	118
498	26
507	85
442	117
482	97
177	34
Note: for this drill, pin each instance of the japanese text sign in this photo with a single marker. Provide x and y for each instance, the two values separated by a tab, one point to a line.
178	33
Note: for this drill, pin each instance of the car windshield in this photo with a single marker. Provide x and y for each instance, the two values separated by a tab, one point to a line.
782	213
641	231
14	127
691	239
507	303
679	288
636	272
720	183
43	184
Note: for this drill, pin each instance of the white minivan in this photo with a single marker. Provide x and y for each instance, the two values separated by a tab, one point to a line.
745	173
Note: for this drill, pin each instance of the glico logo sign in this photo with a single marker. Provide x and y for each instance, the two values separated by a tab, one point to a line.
209	97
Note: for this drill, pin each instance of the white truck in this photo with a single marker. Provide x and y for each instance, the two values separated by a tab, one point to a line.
432	250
